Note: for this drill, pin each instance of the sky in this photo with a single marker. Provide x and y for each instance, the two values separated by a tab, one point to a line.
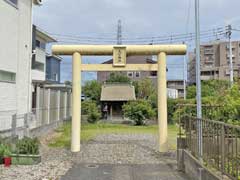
140	18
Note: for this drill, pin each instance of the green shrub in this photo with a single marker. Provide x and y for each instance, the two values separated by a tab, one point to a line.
138	111
7	152
90	109
2	149
172	106
27	146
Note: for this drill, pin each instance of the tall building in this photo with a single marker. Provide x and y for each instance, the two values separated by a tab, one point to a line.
215	61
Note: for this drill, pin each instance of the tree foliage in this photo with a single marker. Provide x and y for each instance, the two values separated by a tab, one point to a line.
90	109
209	88
220	102
117	77
92	90
144	88
138	111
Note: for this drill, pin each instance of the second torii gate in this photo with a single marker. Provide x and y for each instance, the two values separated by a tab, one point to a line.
119	52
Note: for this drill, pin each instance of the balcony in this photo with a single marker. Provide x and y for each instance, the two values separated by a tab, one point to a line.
40	55
228	56
208	52
38	75
206	77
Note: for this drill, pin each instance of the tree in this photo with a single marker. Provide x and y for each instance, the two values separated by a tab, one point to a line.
138	111
118	78
144	88
92	90
90	109
209	88
219	102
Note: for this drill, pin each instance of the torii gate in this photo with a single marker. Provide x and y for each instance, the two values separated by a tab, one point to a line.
119	52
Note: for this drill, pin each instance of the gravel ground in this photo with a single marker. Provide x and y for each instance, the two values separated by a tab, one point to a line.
105	149
122	149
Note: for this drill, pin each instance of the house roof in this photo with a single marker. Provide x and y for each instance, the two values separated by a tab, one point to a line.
44	35
118	92
54	56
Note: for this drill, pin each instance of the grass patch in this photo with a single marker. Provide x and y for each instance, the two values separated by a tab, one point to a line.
90	131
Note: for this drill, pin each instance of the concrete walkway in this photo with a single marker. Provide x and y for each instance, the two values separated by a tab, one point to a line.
123	157
123	172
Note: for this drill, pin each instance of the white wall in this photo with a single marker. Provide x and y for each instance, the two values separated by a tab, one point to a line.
38	75
15	55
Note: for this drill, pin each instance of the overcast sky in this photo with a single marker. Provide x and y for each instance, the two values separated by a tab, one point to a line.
140	18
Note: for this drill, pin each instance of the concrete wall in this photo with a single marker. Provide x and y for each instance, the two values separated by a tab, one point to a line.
191	166
15	56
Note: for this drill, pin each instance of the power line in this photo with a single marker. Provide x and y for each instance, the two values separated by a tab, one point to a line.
148	39
158	41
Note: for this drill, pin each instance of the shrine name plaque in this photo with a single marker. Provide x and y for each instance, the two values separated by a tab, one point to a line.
119	56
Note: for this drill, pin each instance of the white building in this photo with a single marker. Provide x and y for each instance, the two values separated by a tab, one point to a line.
40	40
172	93
15	58
27	103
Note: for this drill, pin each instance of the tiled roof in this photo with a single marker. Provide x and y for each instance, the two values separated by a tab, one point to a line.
118	92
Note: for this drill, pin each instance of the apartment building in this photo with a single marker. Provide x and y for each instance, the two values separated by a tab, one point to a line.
15	58
215	61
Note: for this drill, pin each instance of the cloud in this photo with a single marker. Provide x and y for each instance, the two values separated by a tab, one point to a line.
139	17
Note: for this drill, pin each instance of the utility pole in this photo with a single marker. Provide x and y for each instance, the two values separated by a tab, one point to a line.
119	32
198	79
229	35
184	76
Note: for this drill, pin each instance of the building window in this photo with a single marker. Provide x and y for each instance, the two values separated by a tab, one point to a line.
130	74
38	66
40	44
7	76
55	77
12	2
137	74
153	73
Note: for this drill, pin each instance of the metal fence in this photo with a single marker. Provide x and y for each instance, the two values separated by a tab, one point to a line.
221	144
13	124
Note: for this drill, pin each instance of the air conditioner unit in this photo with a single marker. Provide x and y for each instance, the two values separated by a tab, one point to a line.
38	2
